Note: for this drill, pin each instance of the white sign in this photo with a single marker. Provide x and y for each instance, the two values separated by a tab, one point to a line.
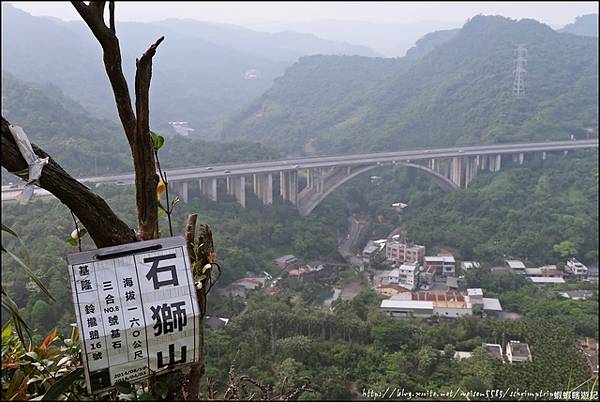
136	310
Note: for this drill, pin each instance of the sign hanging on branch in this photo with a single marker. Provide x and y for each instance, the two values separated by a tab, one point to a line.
136	309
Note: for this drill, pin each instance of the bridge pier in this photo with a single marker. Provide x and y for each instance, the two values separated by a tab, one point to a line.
236	186
521	158
456	171
208	187
288	186
263	187
181	189
471	169
544	155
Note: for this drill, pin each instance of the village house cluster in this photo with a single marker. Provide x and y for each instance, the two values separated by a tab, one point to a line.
419	285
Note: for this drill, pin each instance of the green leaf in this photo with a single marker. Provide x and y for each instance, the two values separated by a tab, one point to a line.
15	382
33	355
124	387
7	332
82	232
9	230
146	396
161	213
61	386
71	241
16	318
157	140
31	274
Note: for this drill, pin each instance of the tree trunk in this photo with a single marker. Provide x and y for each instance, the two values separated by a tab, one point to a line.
104	227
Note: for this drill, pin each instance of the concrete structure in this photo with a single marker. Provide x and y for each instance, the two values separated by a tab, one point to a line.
547	271
494	350
577	294
402	252
517	352
450	304
541	281
407	308
405	276
576	269
468	265
427	276
450	168
369	252
462	355
515	266
443	264
286	262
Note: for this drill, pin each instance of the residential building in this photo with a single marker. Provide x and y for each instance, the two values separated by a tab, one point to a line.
427	276
547	271
405	276
323	273
541	281
468	265
515	266
404	253
576	268
462	355
286	262
500	270
494	350
444	264
369	252
593	273
517	352
577	294
242	286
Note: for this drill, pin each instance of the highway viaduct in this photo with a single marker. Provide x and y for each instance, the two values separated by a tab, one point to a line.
451	167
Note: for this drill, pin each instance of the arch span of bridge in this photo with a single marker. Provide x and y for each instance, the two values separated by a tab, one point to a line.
450	167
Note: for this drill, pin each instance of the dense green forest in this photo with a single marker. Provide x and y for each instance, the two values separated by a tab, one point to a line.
355	348
460	92
246	242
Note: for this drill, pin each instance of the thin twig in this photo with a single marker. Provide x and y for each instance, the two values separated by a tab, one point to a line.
76	228
169	211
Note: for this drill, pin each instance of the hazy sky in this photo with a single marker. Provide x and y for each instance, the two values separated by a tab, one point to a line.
552	13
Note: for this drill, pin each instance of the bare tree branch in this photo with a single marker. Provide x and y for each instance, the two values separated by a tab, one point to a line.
111	10
104	227
136	126
112	63
143	153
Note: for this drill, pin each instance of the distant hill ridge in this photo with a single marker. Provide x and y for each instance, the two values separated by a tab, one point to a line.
201	69
585	25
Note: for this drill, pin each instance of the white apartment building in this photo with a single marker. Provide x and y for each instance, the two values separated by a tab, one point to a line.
405	276
576	268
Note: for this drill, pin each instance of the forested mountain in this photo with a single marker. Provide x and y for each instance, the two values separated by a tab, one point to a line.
199	71
429	42
585	25
85	145
458	93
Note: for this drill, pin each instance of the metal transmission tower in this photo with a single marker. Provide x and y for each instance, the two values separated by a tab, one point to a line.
520	62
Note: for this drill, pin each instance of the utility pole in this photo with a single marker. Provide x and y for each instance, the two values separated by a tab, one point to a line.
520	62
